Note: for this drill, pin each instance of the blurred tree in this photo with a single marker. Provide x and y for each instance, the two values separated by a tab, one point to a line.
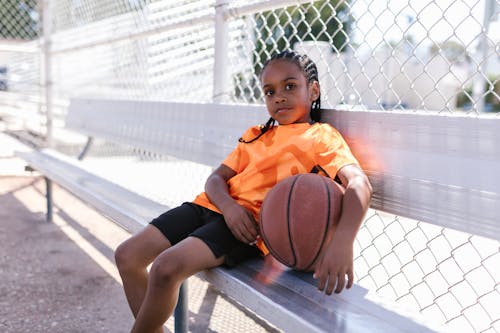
277	30
325	20
18	19
453	51
491	97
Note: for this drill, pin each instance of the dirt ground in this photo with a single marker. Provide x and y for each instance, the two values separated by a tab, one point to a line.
49	283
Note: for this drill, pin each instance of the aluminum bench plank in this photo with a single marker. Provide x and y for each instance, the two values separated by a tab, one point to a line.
131	210
291	300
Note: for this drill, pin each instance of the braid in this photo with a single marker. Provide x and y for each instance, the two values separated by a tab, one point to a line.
310	72
263	129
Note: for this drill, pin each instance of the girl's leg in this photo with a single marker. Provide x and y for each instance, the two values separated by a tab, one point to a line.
169	270
132	259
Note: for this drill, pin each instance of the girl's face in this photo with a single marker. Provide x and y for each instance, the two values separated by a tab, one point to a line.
287	93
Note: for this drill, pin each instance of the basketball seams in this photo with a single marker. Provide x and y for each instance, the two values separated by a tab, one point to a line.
327	224
290	240
268	245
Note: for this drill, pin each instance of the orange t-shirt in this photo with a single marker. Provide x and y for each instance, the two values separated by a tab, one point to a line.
283	151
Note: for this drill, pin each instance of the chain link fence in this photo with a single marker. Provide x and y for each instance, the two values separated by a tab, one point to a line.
402	56
20	62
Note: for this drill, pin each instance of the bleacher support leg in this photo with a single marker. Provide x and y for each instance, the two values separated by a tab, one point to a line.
48	194
181	310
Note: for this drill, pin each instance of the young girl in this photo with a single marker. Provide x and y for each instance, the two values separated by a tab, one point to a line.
221	224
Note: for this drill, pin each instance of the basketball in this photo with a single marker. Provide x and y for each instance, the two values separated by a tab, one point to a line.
298	217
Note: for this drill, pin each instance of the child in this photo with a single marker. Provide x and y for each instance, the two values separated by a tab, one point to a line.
221	224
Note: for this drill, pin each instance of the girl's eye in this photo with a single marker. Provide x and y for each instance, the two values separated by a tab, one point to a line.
268	92
290	86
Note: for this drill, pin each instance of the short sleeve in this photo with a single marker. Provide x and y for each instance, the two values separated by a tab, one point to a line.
233	159
332	152
238	159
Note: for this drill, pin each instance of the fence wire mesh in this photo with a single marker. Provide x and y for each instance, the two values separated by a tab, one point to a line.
436	56
450	276
20	76
426	56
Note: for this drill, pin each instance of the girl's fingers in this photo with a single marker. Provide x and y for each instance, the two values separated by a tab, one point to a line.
322	281
242	236
332	281
340	282
239	234
244	228
249	229
246	234
350	279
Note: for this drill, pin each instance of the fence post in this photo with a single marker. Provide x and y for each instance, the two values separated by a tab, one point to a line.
482	57
47	65
221	79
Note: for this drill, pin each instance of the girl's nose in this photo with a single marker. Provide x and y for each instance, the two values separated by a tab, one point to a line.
280	98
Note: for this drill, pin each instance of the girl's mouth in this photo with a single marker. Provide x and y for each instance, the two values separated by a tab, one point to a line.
281	110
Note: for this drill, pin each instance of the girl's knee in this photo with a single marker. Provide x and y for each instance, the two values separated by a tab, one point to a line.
121	254
125	255
168	268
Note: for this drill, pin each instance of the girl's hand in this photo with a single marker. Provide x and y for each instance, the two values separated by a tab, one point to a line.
238	219
241	223
333	265
336	261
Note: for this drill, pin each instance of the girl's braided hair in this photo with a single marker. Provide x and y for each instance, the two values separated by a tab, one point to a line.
310	72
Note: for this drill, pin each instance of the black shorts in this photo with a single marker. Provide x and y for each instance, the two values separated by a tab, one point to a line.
191	219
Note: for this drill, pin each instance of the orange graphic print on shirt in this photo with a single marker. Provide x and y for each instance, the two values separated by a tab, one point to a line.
281	152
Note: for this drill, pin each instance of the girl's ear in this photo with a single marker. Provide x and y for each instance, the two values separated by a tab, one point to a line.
314	91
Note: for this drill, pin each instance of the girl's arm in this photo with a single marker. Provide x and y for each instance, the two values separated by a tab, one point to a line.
336	261
238	219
